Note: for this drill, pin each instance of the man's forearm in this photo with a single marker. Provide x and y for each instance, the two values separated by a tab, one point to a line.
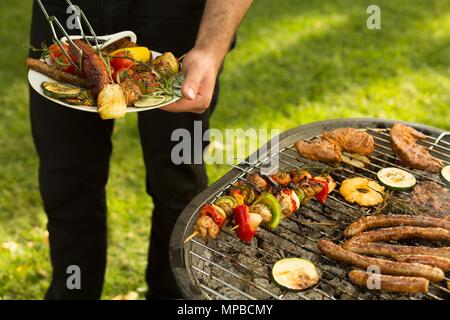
219	24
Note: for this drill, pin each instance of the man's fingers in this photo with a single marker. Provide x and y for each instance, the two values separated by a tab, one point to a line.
184	105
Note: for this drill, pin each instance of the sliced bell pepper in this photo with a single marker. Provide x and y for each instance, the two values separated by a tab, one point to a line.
247	192
227	203
300	194
242	218
322	195
237	195
214	212
272	203
142	54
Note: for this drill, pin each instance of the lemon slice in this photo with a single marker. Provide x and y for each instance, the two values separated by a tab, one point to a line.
150	102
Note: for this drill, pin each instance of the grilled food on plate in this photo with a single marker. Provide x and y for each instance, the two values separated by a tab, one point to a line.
117	77
330	147
411	154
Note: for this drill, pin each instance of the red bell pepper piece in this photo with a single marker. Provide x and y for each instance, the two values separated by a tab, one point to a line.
322	195
210	211
244	231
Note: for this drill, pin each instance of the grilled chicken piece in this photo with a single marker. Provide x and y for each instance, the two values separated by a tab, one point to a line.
282	178
146	81
330	146
132	92
403	141
207	228
256	181
431	196
320	149
263	211
352	140
300	175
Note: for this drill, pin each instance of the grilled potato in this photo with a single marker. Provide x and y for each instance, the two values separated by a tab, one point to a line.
166	64
112	103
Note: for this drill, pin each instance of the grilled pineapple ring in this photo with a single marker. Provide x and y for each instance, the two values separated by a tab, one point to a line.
362	191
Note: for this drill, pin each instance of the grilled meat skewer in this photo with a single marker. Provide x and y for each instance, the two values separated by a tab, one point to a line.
274	202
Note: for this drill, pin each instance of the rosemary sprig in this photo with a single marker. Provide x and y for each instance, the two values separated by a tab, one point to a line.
395	204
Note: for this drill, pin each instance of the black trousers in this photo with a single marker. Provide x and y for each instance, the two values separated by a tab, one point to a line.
74	150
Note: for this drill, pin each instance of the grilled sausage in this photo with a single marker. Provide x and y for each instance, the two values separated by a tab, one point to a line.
382	221
398	233
434	261
93	67
391	283
54	73
119	44
336	252
391	250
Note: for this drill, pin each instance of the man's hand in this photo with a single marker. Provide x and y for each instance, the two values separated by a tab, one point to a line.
200	68
201	65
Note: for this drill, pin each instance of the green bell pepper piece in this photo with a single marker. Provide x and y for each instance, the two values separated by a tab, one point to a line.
272	203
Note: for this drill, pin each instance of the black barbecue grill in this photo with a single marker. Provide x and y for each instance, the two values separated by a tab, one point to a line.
226	268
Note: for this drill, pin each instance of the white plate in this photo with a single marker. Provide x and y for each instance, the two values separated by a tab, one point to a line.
36	78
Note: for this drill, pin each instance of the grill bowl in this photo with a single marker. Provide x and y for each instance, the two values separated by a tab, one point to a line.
227	269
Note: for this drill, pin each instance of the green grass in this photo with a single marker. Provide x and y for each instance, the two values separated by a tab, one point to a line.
296	62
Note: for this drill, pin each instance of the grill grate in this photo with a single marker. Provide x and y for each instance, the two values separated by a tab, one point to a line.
228	269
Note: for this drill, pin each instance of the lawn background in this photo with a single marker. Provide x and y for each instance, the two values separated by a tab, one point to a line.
297	62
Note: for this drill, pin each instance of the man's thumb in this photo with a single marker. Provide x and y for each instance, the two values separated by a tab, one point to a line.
191	85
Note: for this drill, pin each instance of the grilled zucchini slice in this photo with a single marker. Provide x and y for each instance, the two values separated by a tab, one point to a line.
59	90
295	274
396	179
85	98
